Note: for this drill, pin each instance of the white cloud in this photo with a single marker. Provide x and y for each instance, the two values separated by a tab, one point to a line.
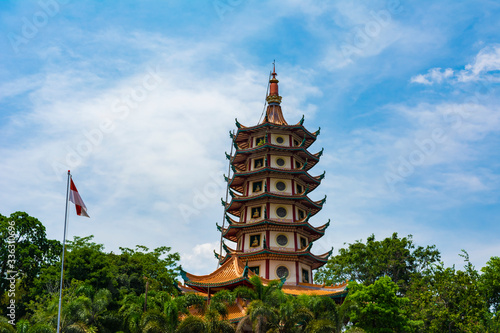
434	75
485	67
486	61
200	258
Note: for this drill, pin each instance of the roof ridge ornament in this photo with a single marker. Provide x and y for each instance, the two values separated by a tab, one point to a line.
183	274
301	121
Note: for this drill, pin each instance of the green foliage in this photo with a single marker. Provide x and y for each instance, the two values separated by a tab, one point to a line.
490	283
446	299
24	248
395	287
395	257
377	307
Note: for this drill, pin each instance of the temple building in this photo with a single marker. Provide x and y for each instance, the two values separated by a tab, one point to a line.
269	215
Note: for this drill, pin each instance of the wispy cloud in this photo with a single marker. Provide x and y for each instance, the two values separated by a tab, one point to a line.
485	67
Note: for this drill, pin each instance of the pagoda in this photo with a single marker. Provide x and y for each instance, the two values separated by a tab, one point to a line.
268	216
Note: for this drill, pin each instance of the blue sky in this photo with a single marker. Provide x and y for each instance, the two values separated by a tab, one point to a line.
137	99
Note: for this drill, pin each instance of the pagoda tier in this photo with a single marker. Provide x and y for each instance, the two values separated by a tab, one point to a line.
267	252
300	177
240	160
302	228
238	205
299	136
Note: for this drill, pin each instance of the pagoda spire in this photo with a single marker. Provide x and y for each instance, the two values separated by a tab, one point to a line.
273	113
274	97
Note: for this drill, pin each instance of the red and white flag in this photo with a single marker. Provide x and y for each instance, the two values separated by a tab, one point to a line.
75	198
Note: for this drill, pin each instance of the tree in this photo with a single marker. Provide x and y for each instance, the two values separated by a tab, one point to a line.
377	307
265	300
159	266
449	300
327	315
5	327
25	249
395	257
490	283
74	311
292	316
215	315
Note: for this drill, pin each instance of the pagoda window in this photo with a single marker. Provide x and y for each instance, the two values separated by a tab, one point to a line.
280	162
303	242
255	269
282	272
257	186
280	140
281	240
281	212
298	165
300	189
256	212
280	186
260	141
296	143
258	163
305	276
302	214
255	240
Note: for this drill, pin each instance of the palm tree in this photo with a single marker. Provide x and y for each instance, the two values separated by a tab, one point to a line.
292	316
325	314
95	303
263	309
215	315
153	321
74	314
131	311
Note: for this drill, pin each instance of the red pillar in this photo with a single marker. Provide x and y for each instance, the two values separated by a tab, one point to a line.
297	272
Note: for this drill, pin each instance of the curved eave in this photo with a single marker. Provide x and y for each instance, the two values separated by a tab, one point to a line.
231	231
239	178
244	132
234	208
225	284
231	273
336	291
225	258
300	151
239	201
317	261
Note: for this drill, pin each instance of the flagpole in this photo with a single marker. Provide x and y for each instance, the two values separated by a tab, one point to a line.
63	251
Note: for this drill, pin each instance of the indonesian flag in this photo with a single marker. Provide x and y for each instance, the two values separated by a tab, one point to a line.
75	198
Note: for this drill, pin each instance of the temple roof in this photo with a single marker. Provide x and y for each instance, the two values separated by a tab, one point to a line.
274	115
233	273
339	290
